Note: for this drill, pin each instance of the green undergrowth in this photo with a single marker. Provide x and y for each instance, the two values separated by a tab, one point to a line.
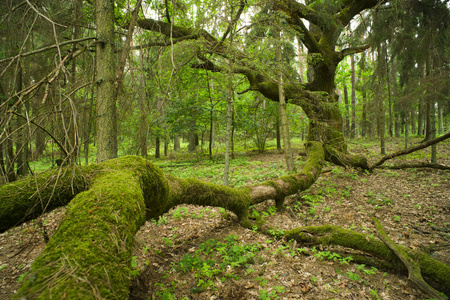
243	170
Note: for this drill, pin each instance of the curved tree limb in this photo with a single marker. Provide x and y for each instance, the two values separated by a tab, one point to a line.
436	271
410	150
91	251
414	274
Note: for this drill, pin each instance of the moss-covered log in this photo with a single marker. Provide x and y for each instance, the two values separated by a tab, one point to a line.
436	272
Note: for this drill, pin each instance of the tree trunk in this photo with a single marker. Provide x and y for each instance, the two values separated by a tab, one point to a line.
176	143
278	133
105	63
347	113
226	170
283	115
420	118
157	146
353	128
114	198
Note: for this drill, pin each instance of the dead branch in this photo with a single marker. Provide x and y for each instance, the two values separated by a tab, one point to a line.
47	48
45	130
412	166
410	150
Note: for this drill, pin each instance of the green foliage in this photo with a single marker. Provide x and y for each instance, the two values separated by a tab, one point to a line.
217	259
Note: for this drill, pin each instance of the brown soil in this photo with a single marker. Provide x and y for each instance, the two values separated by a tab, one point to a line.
413	206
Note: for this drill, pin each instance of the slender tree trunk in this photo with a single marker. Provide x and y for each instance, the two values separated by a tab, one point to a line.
381	119
388	79
441	119
176	143
412	121
429	103
278	133
407	122
143	103
106	105
157	146
353	128
226	171
364	114
347	113
283	115
420	118
21	141
192	137
433	132
397	125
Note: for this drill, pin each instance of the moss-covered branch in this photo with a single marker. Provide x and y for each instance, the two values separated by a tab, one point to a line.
414	274
29	197
89	256
438	273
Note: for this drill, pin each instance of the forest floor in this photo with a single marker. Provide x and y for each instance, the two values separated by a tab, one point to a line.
202	252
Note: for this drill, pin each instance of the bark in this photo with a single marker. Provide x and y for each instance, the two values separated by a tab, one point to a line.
347	115
283	115
353	127
89	256
105	62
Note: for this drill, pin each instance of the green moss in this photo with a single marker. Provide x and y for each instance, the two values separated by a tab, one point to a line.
29	197
91	251
194	191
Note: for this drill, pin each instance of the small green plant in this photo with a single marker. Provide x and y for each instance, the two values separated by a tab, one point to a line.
21	277
374	294
134	266
353	276
396	218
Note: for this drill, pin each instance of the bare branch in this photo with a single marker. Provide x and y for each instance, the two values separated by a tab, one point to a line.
410	150
47	48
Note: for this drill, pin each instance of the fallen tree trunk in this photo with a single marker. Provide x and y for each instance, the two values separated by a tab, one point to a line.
89	256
